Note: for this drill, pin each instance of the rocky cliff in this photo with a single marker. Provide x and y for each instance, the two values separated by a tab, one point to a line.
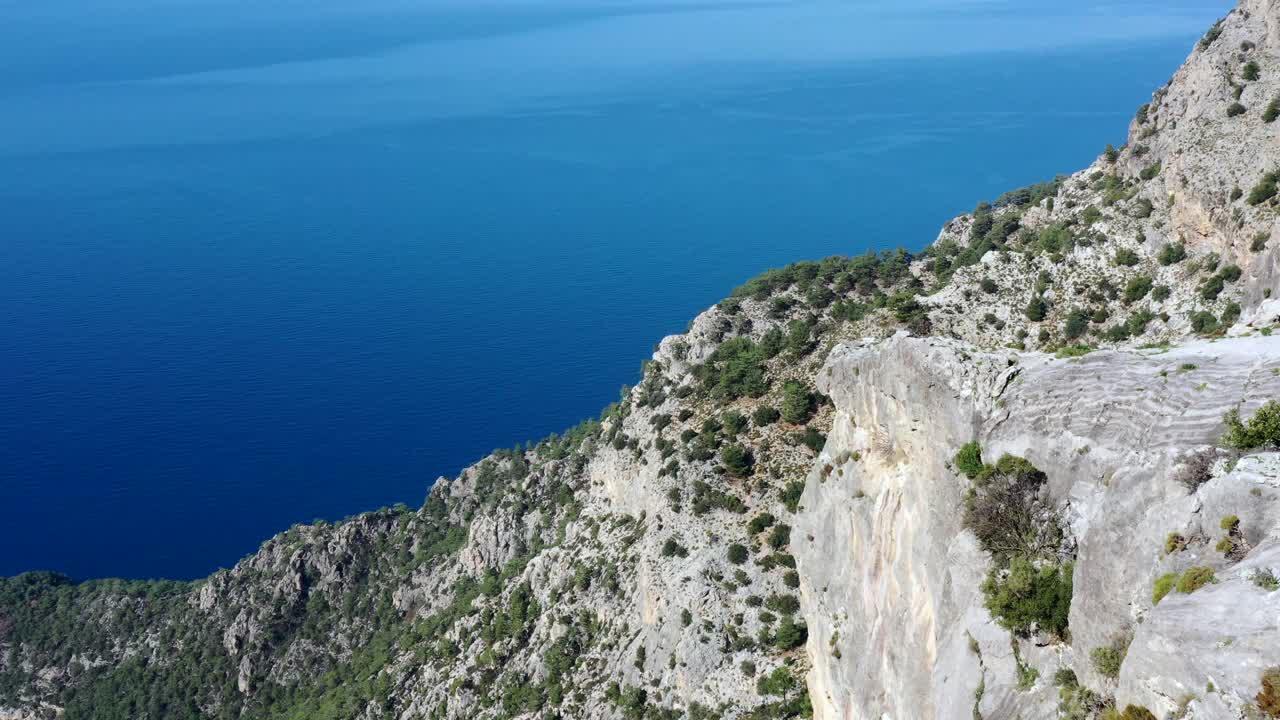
1030	472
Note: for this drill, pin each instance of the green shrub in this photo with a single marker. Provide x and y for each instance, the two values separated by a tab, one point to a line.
1250	71
1150	172
734	422
791	634
761	522
988	285
738	553
811	439
1163	586
1273	110
1266	579
1235	109
1036	309
791	493
1172	253
1026	597
969	460
784	605
1131	712
765	415
779	536
1126	257
1211	36
1265	189
1137	288
1195	578
1204	322
1076	325
1160	293
1003	510
1174	542
797	402
735	369
737	460
1261	430
1073	351
1212	288
671	548
1108	658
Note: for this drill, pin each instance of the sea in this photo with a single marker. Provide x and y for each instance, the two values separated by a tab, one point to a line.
264	263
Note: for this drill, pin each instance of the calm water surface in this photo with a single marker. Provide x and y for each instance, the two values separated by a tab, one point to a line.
264	265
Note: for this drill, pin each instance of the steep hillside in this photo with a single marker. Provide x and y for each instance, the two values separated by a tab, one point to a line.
1030	472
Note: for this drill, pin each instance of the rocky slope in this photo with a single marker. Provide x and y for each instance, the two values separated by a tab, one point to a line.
984	481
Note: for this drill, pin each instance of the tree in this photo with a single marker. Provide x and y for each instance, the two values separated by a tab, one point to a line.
765	415
737	460
1036	309
791	634
797	402
1077	323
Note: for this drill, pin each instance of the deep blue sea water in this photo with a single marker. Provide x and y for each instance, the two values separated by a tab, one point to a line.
261	265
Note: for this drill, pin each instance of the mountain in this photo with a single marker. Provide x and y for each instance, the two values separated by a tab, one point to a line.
1030	472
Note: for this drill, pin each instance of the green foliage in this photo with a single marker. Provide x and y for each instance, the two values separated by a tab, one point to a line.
1250	72
969	460
1003	509
791	634
797	402
737	460
783	604
1125	257
1036	309
1030	195
1195	578
1261	430
1163	586
1211	36
779	536
1073	351
761	522
1272	110
811	439
1265	189
1150	172
733	422
1076	324
791	495
1266	579
735	369
1137	288
1025	597
671	548
765	415
1108	658
738	553
1172	253
1055	238
1235	109
1132	712
1204	322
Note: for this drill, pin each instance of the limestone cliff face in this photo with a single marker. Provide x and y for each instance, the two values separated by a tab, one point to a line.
890	574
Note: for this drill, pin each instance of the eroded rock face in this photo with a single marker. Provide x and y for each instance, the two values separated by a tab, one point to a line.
891	579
